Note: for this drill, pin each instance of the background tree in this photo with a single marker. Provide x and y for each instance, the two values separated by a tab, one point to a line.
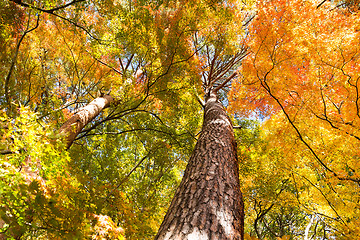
122	166
301	78
59	67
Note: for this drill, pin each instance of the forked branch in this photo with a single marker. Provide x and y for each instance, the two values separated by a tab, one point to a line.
220	68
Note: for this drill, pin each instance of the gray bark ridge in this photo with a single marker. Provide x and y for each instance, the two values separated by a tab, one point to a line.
74	125
208	204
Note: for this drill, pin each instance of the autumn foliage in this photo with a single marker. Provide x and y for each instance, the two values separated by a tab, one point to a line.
295	96
302	79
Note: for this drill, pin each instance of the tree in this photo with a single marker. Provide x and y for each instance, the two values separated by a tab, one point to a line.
73	126
208	203
124	160
58	70
301	78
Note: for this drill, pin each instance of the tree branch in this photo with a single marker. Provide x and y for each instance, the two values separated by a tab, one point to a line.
225	82
7	79
321	3
51	11
128	175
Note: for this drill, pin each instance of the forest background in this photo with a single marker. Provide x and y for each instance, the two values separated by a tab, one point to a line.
293	98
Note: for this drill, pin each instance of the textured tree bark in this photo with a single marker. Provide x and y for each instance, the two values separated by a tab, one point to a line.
73	126
208	204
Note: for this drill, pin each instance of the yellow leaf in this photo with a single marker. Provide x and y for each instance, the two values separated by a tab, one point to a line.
248	237
286	237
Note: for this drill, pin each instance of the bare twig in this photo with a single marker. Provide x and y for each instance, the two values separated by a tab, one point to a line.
13	62
320	4
52	12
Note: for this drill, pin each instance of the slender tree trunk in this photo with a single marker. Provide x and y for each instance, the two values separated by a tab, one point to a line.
72	127
208	204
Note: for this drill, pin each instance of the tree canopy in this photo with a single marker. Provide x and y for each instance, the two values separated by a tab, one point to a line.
287	72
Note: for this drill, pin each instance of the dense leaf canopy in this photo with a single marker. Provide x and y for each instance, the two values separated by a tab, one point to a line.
289	77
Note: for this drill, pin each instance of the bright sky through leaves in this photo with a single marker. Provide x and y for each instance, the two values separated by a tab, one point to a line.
295	96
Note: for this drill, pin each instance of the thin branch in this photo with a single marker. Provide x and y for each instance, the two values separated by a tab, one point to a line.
126	131
105	64
128	175
218	69
7	79
267	88
6	152
225	82
51	11
298	132
321	3
65	6
128	63
325	197
202	103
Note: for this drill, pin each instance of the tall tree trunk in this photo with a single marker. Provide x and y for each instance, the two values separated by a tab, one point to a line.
208	204
73	126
